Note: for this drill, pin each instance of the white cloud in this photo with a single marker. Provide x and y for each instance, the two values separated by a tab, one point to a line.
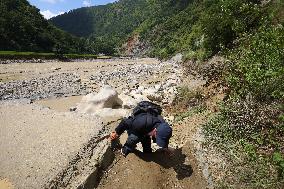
48	14
87	3
52	1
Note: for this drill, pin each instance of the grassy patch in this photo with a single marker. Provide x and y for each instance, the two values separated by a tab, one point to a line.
36	55
187	98
104	57
196	110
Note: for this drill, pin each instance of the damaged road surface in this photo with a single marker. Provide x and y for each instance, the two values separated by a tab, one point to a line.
44	149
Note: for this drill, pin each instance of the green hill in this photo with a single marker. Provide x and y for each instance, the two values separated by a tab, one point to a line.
23	28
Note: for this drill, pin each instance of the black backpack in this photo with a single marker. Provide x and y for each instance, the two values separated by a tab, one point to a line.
147	107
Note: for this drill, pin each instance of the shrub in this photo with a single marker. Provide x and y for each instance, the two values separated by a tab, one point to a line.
188	98
258	65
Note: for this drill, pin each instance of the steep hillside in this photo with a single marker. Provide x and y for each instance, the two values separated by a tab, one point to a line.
202	28
23	28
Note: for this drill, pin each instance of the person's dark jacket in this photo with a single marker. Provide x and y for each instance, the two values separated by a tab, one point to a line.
140	124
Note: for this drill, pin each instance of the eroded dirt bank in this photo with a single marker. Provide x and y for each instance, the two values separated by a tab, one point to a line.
154	171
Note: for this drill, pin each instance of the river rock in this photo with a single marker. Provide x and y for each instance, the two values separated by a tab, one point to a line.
106	98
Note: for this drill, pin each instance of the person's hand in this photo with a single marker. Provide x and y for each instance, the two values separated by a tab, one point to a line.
113	136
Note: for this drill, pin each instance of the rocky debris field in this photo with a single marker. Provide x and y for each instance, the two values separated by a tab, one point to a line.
55	80
42	87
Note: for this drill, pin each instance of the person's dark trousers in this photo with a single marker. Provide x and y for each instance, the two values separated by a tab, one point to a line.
132	141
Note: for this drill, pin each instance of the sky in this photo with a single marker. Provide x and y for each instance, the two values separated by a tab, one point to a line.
50	8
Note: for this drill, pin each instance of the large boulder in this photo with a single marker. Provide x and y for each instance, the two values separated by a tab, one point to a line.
106	98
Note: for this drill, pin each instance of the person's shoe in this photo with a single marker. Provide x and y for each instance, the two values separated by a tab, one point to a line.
124	152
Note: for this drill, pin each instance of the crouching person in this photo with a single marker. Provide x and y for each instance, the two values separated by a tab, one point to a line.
145	124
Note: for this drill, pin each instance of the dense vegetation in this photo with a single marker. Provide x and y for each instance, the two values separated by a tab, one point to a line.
249	129
23	28
40	55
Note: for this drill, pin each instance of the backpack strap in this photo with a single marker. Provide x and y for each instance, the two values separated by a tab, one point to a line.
149	119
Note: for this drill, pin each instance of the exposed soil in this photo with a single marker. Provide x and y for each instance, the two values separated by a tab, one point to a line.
184	169
155	170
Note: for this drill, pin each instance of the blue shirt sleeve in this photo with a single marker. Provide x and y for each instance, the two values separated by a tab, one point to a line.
123	125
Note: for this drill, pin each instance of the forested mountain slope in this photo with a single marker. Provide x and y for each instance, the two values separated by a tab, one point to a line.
118	19
23	28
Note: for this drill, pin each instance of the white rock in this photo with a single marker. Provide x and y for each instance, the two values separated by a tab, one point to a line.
133	93
171	90
171	83
171	118
158	87
149	91
153	95
177	58
106	98
134	82
126	91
